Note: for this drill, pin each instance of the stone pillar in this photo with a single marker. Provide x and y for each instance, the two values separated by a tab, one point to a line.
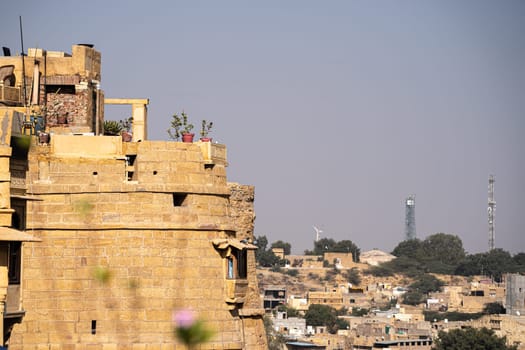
5	176
4	281
139	114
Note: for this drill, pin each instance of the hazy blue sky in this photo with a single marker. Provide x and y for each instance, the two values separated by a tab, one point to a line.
334	110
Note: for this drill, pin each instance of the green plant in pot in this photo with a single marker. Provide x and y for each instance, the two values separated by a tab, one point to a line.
112	128
121	127
205	130
181	128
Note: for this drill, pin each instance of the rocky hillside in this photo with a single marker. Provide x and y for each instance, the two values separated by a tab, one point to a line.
320	279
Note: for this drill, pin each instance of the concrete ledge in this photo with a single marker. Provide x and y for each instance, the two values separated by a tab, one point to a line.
251	312
86	146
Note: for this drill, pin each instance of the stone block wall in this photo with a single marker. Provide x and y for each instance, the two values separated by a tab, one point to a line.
242	199
149	274
120	252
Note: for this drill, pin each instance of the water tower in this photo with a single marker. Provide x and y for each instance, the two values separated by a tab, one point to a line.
410	217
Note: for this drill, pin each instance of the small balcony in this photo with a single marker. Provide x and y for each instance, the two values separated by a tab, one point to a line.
236	290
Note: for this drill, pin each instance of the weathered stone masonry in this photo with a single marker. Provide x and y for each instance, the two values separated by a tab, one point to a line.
152	234
129	231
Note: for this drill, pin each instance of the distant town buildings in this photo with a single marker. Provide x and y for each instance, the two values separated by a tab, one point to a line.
515	294
386	322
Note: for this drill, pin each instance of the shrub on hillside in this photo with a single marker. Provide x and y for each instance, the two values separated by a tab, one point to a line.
432	316
353	276
292	272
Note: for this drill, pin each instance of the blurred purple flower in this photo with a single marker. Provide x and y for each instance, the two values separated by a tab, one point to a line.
184	318
189	329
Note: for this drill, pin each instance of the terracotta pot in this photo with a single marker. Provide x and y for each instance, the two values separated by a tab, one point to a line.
43	137
127	136
186	137
62	119
206	139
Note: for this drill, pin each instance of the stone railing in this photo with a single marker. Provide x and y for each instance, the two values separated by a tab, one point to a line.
10	95
213	152
236	291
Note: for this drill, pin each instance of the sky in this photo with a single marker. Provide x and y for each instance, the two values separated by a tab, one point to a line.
335	111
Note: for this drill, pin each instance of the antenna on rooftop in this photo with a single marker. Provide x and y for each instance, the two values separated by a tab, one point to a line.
23	62
410	217
317	232
491	212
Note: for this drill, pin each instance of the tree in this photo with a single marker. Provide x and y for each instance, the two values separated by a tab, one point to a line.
267	259
493	263
519	259
470	338
470	266
411	248
359	312
341	324
323	245
329	245
275	340
331	273
405	265
420	288
427	283
382	270
494	309
320	315
285	245
438	253
290	311
353	276
261	242
263	256
292	272
413	297
442	252
347	246
497	262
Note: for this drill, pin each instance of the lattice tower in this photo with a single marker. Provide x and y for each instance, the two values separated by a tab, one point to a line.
491	212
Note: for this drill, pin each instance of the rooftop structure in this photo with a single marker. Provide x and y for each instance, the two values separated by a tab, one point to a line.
515	294
375	257
128	231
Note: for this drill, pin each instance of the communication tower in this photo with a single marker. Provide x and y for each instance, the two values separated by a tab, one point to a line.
410	217
491	212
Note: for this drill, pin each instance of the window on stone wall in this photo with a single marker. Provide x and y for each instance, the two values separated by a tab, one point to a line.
231	265
237	265
15	251
242	264
60	89
18	219
178	199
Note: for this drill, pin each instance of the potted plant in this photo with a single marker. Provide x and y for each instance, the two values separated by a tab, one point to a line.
180	127
205	130
62	119
112	127
126	129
